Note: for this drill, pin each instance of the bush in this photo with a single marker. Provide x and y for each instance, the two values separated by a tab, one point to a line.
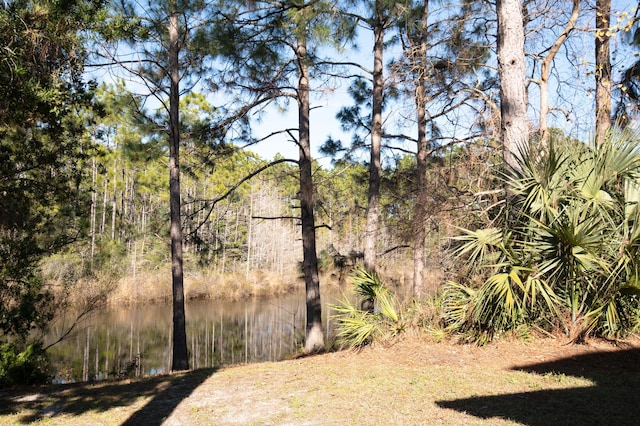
376	318
27	367
564	253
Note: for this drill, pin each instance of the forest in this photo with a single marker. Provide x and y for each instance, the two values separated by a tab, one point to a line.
480	155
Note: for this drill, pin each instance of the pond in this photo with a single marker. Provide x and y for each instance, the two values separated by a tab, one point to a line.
137	341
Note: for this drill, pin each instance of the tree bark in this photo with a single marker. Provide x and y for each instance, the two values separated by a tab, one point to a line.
314	335
114	199
420	212
373	205
180	360
603	69
105	199
94	196
513	94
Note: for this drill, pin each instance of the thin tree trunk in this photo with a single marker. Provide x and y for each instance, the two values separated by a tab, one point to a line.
143	228
224	242
114	200
94	196
513	93
546	69
124	204
314	336
420	212
249	232
603	69
373	205
123	208
107	352
105	199
85	357
180	357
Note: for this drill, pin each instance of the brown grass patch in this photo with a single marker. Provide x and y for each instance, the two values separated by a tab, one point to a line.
413	382
155	286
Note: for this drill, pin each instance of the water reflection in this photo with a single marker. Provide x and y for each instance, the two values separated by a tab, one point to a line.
137	341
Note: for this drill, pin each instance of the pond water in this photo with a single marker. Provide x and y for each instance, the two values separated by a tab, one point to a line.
137	341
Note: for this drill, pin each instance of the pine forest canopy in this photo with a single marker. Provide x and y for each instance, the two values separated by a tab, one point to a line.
103	98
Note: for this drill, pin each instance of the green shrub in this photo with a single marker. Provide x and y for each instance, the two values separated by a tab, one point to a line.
23	367
376	318
564	253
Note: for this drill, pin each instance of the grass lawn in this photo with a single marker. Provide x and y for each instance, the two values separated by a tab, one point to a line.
414	382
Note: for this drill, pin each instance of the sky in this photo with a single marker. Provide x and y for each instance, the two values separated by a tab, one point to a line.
323	123
326	103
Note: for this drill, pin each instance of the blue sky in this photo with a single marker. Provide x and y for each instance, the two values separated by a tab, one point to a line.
326	103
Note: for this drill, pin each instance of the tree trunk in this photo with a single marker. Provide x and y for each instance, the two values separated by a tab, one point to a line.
114	199
180	357
603	69
419	56
546	69
94	196
249	232
314	335
513	94
373	205
105	199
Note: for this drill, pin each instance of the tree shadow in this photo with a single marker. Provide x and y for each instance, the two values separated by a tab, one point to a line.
614	399
166	392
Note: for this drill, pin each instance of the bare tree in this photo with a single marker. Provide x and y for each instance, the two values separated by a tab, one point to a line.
437	68
545	69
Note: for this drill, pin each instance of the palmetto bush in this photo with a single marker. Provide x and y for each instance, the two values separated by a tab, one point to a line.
565	251
375	318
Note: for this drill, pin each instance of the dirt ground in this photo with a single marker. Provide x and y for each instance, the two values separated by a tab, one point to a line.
542	356
413	381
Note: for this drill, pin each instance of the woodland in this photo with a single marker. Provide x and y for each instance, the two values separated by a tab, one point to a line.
483	157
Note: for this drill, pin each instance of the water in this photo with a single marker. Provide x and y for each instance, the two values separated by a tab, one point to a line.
137	341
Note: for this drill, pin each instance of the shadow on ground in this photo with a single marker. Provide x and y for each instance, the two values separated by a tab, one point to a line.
166	393
614	399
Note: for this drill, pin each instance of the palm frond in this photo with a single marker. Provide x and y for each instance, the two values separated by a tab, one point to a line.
365	283
570	243
358	327
540	183
498	306
385	303
457	301
537	291
479	243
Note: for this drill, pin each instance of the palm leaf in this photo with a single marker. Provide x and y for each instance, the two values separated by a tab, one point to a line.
358	327
498	305
477	244
456	304
536	288
386	304
365	283
541	183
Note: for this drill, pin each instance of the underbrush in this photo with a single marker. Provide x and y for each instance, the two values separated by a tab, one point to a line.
23	366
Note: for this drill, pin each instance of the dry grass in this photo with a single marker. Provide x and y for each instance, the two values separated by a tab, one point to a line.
155	286
415	382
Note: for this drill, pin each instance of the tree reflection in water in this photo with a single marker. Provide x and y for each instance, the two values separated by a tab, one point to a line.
137	341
